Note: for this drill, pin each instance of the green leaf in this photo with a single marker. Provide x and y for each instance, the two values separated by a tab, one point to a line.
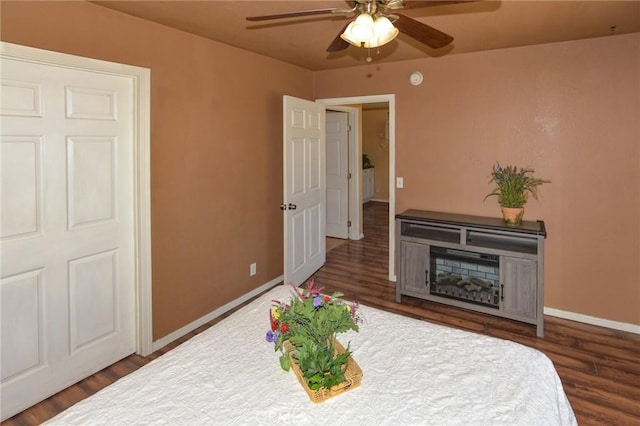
285	362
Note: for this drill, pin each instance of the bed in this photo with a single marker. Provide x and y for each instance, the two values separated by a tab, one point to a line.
414	373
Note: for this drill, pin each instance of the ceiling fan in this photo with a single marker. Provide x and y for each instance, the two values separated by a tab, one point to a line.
377	23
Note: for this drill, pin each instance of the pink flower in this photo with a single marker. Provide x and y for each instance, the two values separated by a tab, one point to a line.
312	289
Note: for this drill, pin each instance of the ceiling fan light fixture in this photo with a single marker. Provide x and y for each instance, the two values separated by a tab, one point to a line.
363	28
348	36
367	33
384	32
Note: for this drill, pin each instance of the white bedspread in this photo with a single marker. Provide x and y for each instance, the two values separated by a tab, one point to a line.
414	373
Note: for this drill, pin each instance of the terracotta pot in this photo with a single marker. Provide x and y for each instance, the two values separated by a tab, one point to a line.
513	216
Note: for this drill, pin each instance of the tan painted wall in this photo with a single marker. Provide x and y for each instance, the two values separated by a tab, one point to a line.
373	138
216	148
569	110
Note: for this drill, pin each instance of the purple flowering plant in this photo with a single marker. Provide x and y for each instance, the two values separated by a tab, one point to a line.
310	322
513	185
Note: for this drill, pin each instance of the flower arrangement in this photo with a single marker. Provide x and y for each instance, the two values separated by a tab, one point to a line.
310	323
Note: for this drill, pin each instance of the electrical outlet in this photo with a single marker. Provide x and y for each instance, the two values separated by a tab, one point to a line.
399	182
253	269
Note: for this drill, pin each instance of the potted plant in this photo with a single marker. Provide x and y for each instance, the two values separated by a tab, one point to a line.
513	187
305	331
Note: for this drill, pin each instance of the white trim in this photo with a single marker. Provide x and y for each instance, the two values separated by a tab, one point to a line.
391	100
160	343
141	78
143	214
601	322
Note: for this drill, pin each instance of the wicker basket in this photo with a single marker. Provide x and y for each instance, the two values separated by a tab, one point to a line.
352	375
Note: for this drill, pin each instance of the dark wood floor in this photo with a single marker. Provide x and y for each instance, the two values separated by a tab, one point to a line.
599	367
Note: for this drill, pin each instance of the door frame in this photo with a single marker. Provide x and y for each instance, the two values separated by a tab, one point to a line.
141	79
355	164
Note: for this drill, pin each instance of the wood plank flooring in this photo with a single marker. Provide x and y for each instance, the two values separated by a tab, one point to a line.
599	367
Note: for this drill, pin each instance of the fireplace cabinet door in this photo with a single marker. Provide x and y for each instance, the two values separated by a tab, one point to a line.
414	268
519	280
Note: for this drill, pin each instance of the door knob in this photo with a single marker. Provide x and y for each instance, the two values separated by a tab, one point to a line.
292	206
283	206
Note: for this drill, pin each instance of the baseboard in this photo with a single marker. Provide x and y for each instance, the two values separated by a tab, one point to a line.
378	200
601	322
631	328
212	315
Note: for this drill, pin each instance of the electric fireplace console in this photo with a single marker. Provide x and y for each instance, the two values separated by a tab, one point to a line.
472	262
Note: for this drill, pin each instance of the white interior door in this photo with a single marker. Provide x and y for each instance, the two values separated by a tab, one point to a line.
67	228
337	134
304	188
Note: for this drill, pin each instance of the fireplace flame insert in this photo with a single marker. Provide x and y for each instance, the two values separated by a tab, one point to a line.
463	275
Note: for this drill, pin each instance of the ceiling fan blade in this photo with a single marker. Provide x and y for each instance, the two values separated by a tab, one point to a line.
292	14
414	4
422	32
339	43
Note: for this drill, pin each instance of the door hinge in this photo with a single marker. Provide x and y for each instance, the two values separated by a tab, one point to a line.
349	175
348	127
348	224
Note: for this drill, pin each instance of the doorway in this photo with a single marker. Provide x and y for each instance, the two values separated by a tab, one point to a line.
375	152
355	161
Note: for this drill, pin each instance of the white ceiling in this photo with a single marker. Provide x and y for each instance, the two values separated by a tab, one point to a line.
476	26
